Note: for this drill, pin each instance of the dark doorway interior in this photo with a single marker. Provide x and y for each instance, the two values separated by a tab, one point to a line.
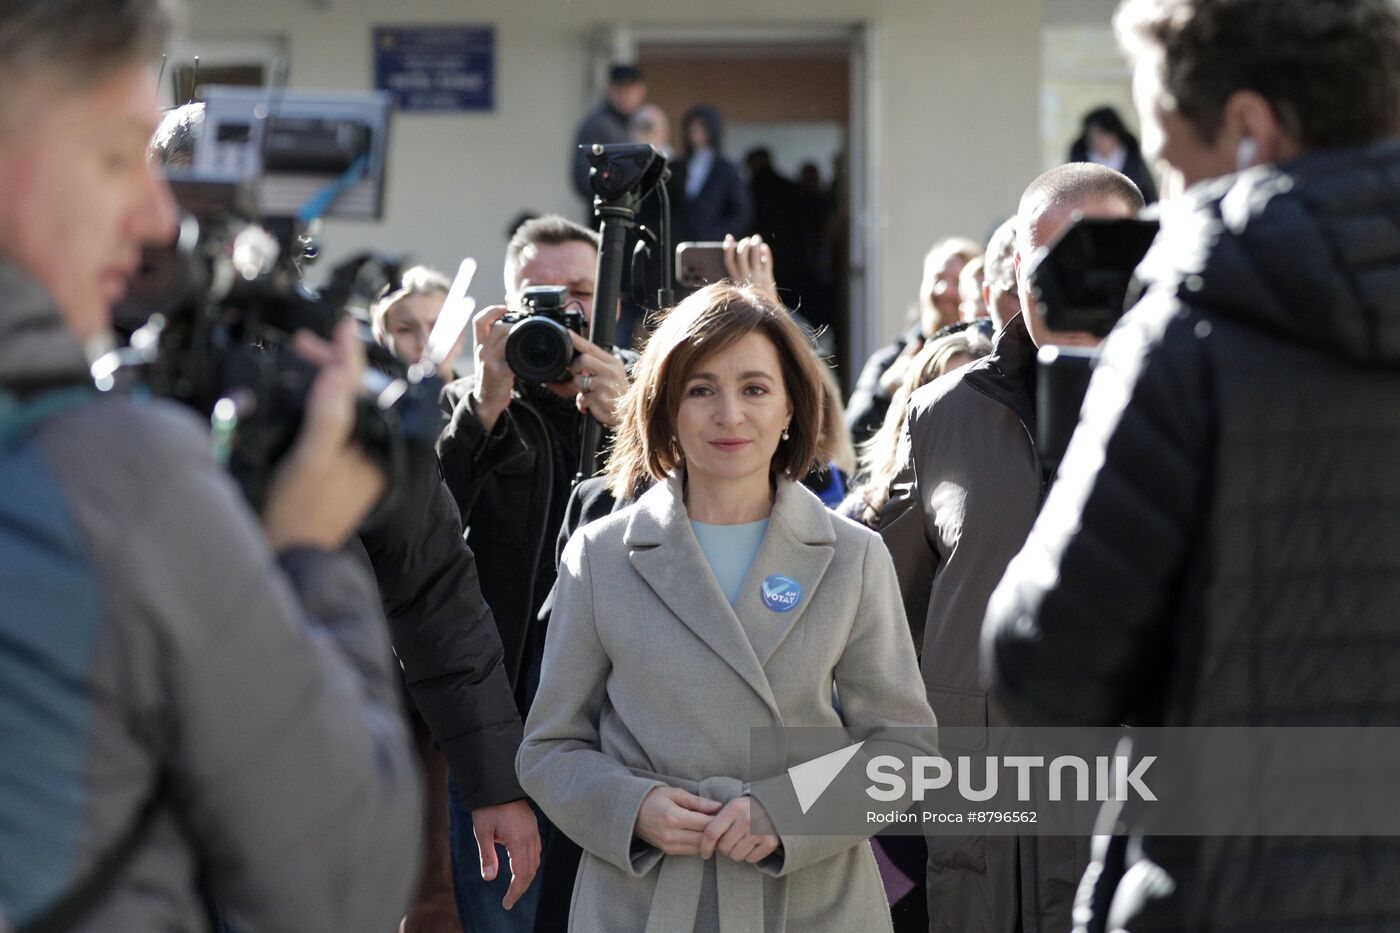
792	101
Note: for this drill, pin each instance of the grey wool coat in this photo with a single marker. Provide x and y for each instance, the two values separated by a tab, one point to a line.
651	678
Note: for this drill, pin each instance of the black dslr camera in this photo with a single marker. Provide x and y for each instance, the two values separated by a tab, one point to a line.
538	347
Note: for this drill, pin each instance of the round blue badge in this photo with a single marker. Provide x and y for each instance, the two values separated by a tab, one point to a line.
781	593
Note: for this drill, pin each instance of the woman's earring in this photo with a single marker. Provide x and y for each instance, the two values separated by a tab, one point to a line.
785	433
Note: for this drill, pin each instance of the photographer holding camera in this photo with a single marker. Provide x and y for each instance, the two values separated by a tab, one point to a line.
509	457
545	251
440	628
188	699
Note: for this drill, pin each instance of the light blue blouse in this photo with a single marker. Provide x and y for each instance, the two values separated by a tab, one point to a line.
731	550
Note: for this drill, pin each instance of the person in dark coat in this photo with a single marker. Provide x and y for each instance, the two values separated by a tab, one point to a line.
708	198
448	648
609	123
1106	140
446	643
966	491
1229	498
938	308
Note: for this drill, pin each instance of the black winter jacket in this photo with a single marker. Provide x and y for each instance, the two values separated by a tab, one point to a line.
511	486
1222	546
865	412
443	634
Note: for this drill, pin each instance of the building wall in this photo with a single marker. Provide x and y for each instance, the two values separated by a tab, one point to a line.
954	122
1083	68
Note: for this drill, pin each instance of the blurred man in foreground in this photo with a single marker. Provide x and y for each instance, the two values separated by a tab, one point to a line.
183	693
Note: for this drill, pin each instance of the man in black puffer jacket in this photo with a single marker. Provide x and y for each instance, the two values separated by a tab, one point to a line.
1223	544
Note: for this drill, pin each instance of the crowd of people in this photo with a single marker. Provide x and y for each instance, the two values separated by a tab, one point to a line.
516	701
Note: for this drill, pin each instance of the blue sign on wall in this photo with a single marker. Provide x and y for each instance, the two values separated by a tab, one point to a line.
437	67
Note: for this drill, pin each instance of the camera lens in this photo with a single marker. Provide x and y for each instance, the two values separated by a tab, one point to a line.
539	350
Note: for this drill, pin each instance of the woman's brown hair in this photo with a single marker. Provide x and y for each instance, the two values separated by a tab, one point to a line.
710	321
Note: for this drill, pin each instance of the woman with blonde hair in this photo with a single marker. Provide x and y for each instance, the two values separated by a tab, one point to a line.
402	319
725	598
879	459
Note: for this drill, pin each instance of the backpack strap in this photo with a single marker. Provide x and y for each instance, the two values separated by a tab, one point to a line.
19	415
78	902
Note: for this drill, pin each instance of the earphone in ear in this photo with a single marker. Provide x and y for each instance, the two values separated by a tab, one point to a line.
1246	154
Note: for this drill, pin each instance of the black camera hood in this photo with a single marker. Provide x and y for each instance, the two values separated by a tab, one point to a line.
624	173
1082	282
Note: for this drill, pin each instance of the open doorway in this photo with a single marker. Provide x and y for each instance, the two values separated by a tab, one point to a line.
791	99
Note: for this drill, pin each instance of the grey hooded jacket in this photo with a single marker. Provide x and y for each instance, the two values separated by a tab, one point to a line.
172	651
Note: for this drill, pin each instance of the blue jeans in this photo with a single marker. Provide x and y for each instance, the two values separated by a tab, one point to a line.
478	901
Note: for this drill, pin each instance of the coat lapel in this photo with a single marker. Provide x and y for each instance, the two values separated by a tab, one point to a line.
799	546
663	549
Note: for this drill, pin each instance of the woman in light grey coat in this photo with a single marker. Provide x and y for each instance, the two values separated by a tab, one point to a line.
726	598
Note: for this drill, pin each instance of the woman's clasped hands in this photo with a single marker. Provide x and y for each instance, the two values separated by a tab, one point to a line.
680	823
